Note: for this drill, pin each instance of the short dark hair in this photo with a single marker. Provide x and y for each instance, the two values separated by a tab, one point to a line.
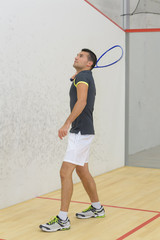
92	57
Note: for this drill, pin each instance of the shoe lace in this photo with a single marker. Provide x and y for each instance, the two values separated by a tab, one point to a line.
89	208
54	220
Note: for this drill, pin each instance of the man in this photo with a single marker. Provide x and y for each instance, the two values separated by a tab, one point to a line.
82	97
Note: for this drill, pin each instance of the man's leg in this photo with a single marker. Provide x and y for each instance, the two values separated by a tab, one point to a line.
88	182
95	210
66	185
61	222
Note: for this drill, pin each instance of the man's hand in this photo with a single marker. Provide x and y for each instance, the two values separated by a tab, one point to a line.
63	131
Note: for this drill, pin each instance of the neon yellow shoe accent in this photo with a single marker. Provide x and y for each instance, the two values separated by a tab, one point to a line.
54	220
86	210
101	216
65	229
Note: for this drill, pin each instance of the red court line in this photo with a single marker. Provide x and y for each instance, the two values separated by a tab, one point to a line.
143	30
126	208
139	227
104	15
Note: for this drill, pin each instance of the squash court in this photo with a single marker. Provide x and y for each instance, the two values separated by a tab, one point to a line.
39	42
130	196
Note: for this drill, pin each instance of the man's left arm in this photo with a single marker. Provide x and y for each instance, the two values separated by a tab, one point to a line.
82	92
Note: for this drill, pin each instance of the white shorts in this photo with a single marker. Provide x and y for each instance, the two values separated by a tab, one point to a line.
78	148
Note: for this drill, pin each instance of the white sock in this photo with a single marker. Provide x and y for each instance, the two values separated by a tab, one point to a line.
63	215
96	205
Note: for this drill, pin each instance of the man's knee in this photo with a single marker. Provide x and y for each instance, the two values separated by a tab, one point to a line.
81	171
66	170
62	173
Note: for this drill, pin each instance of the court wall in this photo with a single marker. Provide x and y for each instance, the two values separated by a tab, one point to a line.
144	98
39	40
115	9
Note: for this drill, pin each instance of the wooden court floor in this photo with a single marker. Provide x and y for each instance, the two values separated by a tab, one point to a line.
130	195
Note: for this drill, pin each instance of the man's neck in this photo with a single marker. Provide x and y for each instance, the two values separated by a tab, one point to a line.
84	69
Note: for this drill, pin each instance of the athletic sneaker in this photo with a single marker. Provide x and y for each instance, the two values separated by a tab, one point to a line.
91	212
56	224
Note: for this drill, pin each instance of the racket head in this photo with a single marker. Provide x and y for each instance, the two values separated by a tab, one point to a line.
110	64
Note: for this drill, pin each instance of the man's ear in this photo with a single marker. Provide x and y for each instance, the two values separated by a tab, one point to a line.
89	64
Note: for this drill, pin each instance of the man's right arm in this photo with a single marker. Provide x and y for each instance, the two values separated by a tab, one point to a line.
82	92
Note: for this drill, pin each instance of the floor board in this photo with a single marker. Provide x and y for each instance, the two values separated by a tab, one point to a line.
131	199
